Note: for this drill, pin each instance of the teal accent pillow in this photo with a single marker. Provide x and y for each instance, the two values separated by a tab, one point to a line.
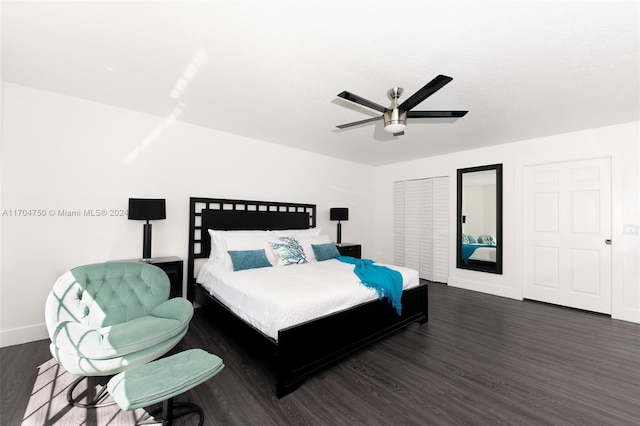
248	259
325	251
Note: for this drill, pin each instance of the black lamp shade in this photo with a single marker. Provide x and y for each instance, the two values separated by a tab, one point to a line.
339	213
147	208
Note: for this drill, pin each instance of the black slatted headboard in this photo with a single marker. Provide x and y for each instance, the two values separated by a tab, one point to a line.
225	214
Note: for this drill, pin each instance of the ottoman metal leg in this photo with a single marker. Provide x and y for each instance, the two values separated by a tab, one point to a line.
172	410
95	402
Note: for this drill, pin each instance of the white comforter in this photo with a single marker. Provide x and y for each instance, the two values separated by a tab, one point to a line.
487	254
274	298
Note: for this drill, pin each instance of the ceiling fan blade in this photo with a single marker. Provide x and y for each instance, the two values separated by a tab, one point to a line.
355	123
361	101
435	114
429	89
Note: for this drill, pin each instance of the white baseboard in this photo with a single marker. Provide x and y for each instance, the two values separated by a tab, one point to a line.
483	287
626	314
17	336
623	314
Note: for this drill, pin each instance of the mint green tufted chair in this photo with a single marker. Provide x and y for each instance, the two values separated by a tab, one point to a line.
105	318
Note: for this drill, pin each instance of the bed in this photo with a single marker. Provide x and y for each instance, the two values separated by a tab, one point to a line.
295	351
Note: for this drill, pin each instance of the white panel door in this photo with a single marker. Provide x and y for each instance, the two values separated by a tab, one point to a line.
567	222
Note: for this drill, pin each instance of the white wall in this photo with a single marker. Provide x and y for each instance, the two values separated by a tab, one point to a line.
60	152
63	153
620	143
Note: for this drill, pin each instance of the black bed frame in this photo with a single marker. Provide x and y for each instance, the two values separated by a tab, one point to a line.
305	348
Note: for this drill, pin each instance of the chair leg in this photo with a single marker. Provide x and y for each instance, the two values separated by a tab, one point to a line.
95	402
172	410
167	412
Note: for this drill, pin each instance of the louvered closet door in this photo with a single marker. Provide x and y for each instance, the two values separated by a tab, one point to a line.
421	227
426	229
412	211
398	223
440	256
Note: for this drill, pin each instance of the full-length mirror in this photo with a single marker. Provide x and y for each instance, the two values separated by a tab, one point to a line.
480	218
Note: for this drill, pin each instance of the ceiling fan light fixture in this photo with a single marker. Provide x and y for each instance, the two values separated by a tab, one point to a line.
395	121
395	127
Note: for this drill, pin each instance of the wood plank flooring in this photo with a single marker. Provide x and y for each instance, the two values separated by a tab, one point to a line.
480	360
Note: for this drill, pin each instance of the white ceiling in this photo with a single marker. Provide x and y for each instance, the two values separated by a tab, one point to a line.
271	70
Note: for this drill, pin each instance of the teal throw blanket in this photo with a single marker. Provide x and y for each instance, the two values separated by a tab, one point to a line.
385	281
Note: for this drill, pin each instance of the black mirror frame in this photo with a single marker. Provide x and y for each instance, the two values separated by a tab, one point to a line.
497	269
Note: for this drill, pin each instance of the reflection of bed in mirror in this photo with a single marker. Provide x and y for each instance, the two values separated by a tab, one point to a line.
480	252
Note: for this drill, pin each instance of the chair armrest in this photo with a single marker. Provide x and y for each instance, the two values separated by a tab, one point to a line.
164	322
177	308
75	338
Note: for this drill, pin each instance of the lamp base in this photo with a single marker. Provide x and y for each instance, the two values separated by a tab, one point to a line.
146	242
339	239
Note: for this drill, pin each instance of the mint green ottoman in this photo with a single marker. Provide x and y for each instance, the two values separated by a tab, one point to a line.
162	380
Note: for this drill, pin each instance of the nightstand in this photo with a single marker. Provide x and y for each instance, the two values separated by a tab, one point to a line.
348	249
173	266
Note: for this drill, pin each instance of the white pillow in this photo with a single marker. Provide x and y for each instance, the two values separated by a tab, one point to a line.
311	232
306	242
218	253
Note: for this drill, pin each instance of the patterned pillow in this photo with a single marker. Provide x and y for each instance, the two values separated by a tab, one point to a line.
465	239
288	251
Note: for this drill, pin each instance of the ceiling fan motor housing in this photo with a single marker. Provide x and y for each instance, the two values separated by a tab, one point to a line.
396	118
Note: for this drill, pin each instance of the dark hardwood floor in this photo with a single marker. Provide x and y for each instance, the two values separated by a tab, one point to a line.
480	360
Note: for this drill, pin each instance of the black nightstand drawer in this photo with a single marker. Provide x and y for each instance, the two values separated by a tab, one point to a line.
348	249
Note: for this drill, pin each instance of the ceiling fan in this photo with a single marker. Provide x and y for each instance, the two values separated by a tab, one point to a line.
395	117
